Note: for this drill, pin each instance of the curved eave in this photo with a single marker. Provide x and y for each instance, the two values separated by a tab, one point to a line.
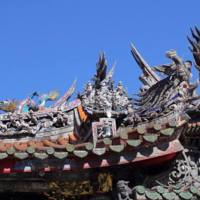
146	156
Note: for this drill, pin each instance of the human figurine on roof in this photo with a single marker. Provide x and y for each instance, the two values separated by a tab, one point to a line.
88	89
30	104
104	88
120	98
17	122
90	92
61	119
120	89
103	100
3	127
33	118
144	89
88	97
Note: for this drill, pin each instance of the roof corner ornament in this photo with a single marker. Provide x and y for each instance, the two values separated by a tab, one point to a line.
100	97
195	46
149	77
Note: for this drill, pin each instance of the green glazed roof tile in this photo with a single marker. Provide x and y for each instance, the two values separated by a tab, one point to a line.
186	195
169	195
150	137
10	151
177	189
80	153
117	148
140	189
60	155
161	192
134	143
50	150
89	146
193	190
41	156
3	156
70	147
157	126
21	155
107	141
99	151
160	189
152	195
167	132
30	150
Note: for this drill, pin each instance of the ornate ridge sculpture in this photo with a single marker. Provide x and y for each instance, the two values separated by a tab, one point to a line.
105	144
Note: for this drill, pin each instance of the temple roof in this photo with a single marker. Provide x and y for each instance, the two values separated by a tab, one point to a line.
103	120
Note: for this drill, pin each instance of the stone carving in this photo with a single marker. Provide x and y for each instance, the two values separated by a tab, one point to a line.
185	172
31	123
182	178
124	192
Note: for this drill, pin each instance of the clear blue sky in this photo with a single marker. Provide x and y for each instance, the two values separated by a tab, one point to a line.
45	44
